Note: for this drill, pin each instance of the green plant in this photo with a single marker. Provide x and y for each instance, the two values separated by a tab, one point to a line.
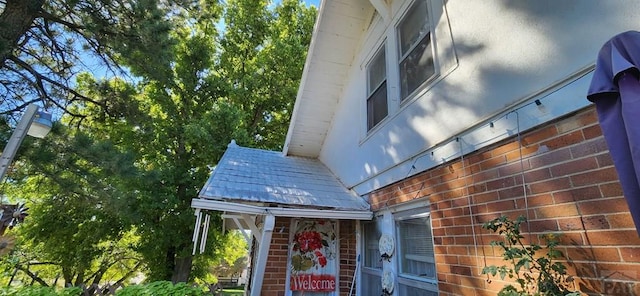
40	291
161	288
534	268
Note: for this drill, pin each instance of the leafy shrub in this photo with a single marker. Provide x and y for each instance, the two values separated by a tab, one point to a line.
40	291
161	288
536	275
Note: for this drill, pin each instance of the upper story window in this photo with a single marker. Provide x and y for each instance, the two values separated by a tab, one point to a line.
404	52
377	89
416	63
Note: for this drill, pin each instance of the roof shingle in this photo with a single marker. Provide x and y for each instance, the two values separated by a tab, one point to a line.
255	175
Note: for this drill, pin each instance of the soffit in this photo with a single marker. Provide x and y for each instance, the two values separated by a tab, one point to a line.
336	36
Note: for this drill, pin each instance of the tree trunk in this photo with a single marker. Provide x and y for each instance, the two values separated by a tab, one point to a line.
182	269
15	20
79	280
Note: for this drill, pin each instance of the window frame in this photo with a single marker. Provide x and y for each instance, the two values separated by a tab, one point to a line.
401	57
425	283
383	32
376	250
371	271
372	91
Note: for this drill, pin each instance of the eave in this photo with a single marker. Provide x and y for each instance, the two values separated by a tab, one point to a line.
336	37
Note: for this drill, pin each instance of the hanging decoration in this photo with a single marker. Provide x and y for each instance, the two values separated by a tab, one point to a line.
11	215
388	282
386	246
313	256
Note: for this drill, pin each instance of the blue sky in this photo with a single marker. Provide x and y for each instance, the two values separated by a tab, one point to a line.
313	2
99	71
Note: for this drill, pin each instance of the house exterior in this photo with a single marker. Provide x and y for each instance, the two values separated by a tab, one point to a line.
441	115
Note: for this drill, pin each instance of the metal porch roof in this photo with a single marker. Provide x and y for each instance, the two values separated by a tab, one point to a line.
255	176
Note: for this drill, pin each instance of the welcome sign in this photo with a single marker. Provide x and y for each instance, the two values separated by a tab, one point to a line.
312	260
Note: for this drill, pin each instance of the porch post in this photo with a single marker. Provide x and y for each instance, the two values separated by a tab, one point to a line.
263	253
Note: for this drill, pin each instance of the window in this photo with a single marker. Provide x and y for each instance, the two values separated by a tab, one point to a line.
416	247
415	50
377	89
371	249
403	57
372	264
417	269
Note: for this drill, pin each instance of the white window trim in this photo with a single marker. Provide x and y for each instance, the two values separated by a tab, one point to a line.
445	59
379	221
369	93
413	211
434	51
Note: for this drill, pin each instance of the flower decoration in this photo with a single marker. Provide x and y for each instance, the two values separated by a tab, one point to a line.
308	241
387	282
312	245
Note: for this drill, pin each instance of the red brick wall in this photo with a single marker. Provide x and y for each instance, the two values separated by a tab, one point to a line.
571	188
275	276
348	255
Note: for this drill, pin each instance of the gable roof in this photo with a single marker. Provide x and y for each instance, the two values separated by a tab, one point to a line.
261	177
336	36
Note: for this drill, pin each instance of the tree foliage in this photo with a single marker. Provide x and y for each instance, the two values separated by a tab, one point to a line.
45	44
263	53
75	200
111	190
232	257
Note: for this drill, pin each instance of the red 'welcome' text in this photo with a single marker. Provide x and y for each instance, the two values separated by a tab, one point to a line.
313	282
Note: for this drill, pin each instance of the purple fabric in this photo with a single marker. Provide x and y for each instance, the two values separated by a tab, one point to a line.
615	90
620	53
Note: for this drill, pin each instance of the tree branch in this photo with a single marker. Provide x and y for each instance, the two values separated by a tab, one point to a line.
41	78
33	276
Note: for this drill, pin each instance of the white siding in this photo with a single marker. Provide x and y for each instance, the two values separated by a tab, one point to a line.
507	52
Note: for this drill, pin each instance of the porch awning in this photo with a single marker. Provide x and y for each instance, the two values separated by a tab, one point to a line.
255	181
254	186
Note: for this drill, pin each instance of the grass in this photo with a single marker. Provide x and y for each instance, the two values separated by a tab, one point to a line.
233	291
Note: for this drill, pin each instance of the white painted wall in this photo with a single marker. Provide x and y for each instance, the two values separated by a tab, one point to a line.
509	53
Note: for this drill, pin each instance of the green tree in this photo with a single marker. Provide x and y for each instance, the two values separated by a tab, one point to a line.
232	257
178	125
191	116
262	55
75	226
141	149
44	44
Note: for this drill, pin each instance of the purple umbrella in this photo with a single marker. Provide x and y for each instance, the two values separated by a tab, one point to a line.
615	90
